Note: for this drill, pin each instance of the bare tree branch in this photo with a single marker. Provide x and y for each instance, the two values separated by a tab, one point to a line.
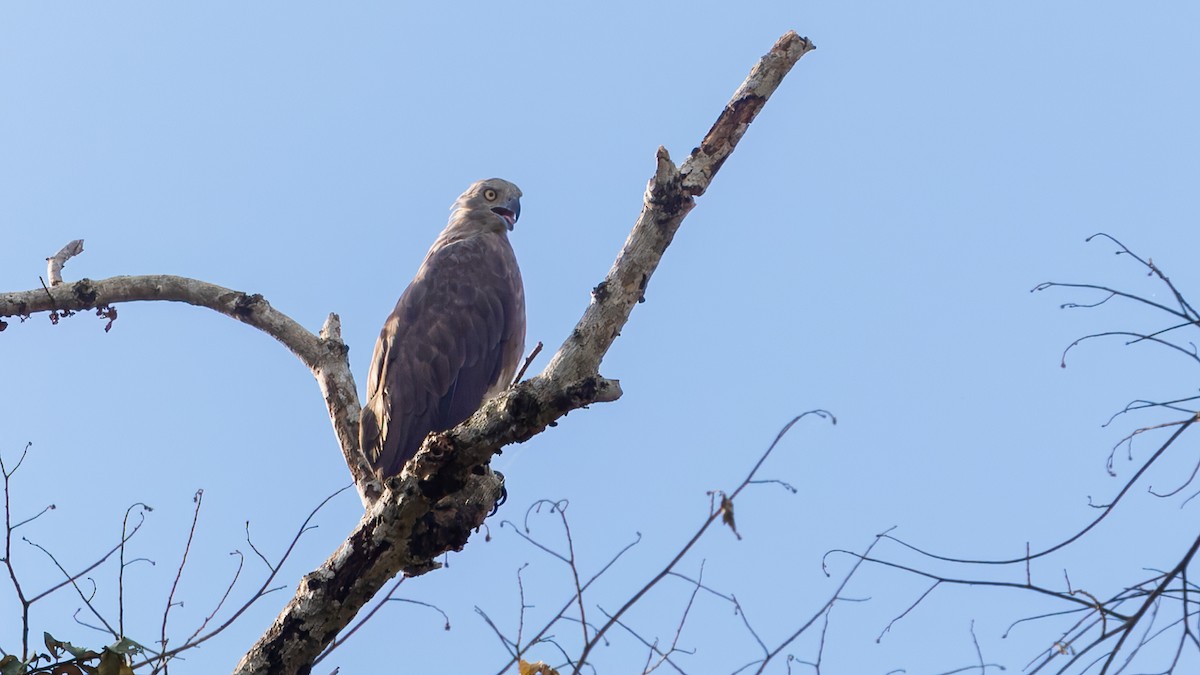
56	262
325	355
448	489
1106	634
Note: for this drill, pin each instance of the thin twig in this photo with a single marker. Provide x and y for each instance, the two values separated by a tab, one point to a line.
198	500
537	349
121	568
712	517
264	589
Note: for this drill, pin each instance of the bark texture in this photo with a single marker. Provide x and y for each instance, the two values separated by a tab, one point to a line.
325	355
55	263
445	493
401	531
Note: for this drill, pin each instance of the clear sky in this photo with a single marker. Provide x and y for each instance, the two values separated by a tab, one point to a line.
868	249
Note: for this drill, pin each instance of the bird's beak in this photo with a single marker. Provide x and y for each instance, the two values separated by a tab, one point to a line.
510	211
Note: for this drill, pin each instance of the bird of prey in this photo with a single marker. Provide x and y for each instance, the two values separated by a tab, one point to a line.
456	334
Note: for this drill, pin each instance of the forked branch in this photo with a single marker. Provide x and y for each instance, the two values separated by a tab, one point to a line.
1107	633
447	490
325	355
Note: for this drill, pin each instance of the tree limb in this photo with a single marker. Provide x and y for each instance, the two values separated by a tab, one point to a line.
325	356
56	262
447	490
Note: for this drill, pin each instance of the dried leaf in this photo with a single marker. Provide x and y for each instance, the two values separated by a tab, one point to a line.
11	665
536	668
112	663
727	514
51	644
55	646
108	312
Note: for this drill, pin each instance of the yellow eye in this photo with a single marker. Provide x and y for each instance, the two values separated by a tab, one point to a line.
489	194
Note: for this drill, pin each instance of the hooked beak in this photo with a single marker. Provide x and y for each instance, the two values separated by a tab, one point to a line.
510	211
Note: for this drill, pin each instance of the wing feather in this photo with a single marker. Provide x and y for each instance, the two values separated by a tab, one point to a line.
454	337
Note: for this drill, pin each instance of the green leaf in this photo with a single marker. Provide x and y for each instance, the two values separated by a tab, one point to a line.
125	646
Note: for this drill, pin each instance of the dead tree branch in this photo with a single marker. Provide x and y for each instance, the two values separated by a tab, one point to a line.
56	262
325	355
1106	633
447	490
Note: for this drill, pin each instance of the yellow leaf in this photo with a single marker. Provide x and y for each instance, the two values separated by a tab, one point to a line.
536	668
112	663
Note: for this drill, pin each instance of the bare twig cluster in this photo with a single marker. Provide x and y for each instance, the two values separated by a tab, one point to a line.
578	612
122	651
448	489
1106	633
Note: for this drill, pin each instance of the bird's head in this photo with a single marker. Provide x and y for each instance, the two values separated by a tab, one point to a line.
497	200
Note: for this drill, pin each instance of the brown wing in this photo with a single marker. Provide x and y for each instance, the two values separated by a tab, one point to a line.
457	331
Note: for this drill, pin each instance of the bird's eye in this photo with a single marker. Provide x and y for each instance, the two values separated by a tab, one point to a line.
489	194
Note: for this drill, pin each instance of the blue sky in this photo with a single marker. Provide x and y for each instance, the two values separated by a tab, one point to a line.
868	249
